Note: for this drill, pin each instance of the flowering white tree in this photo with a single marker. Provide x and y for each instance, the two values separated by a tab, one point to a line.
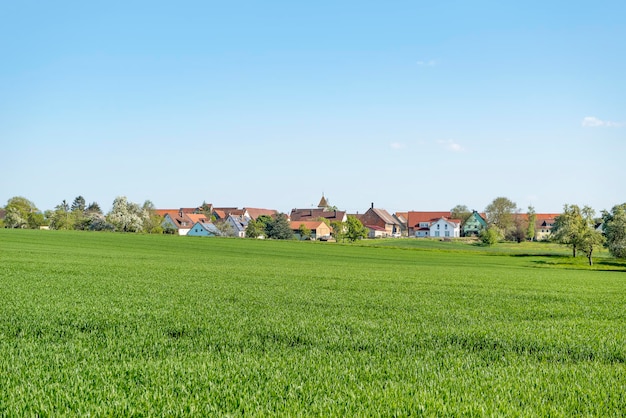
126	216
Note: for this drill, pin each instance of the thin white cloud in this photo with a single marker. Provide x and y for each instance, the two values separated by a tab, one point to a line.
451	145
428	63
397	145
593	122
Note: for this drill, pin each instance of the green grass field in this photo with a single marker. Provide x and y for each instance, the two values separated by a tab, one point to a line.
116	325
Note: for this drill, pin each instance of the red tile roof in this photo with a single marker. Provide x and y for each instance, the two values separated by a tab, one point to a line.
416	217
162	212
312	225
195	218
254	213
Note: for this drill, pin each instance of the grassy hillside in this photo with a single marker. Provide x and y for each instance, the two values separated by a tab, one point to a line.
113	324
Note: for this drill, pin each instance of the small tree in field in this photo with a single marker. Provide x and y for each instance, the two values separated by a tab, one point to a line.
589	238
489	236
339	230
568	226
355	229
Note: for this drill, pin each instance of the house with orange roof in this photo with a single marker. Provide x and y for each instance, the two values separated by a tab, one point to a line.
318	229
197	217
177	221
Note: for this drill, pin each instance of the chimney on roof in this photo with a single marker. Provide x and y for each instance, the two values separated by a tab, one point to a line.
372	205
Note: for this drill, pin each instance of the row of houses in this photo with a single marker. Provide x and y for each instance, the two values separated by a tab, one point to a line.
200	221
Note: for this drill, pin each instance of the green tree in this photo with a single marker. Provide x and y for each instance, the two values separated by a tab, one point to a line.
151	220
205	209
304	232
339	230
355	229
589	238
489	236
78	204
94	207
500	214
21	213
61	218
279	228
460	212
568	226
520	228
614	227
255	229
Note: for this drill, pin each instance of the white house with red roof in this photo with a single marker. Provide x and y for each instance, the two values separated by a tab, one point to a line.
445	228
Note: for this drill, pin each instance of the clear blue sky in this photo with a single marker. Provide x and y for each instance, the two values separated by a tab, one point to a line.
410	105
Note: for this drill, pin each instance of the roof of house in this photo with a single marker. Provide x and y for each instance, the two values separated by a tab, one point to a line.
385	216
323	202
313	214
209	227
223	213
416	217
199	217
179	221
456	222
189	210
162	212
240	222
312	225
254	213
546	216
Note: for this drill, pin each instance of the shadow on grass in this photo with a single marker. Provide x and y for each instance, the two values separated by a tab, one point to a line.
569	263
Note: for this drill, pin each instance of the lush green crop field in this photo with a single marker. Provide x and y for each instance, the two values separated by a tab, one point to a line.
113	324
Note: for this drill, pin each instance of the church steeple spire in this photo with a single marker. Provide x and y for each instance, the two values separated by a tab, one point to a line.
323	204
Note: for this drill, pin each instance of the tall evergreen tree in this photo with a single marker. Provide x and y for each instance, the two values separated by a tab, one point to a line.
279	228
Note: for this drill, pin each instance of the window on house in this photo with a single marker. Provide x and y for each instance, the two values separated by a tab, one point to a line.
447	233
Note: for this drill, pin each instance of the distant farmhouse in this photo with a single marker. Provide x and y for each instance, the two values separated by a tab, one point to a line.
380	223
